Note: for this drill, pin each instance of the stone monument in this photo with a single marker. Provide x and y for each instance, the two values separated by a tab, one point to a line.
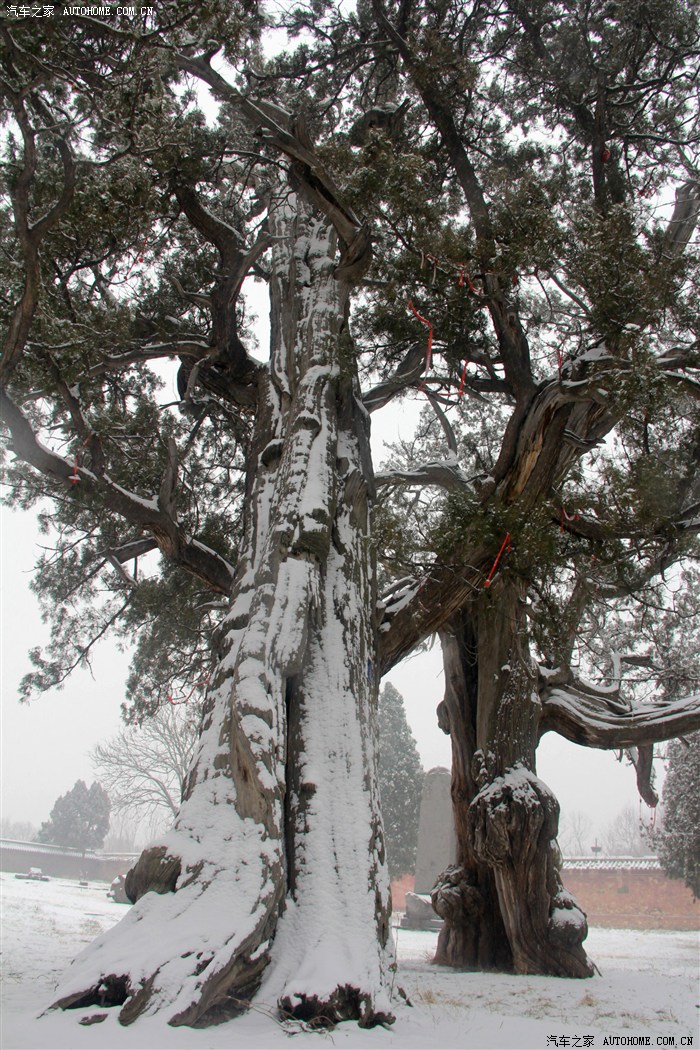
437	846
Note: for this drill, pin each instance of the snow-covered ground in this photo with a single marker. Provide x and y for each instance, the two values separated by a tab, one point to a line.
647	987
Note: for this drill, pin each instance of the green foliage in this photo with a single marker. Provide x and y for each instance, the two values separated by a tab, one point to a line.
400	782
79	819
678	841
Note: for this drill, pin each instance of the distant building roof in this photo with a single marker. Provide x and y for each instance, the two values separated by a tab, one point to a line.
41	847
612	863
64	851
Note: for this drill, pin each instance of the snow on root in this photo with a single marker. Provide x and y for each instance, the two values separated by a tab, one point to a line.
170	946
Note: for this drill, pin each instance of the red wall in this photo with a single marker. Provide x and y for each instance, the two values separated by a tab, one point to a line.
639	900
399	889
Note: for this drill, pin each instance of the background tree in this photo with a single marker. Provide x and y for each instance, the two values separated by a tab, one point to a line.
125	834
496	165
678	839
79	819
400	782
144	767
20	830
575	834
624	835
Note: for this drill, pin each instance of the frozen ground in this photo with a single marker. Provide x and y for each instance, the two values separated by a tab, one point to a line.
648	986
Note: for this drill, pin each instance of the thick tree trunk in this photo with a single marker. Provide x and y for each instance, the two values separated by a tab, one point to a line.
277	855
508	882
472	936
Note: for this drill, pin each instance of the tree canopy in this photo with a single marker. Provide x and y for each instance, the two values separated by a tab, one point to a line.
79	819
400	782
489	206
554	288
678	838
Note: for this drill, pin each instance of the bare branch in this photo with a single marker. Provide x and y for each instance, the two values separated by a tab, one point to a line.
683	221
642	758
166	496
444	422
192	297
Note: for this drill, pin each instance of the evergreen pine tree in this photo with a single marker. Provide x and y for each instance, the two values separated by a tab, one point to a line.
400	782
679	838
79	819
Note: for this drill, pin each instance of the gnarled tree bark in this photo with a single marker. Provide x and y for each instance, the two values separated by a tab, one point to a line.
277	854
504	904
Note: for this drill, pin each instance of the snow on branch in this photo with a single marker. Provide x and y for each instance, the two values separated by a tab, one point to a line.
425	608
408	372
446	474
398	596
179	347
594	720
132	549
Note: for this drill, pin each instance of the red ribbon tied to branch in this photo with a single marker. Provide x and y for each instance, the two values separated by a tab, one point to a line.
504	546
197	685
463	380
425	321
565	517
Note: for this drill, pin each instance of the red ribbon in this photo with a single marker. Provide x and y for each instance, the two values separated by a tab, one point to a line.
504	545
176	703
463	379
425	321
567	517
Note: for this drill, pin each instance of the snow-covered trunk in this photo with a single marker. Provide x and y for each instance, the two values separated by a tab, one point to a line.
511	823
275	865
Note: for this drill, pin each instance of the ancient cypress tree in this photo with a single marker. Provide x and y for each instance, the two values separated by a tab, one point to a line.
445	198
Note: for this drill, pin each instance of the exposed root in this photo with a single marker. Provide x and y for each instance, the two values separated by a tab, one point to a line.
154	870
345	1004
